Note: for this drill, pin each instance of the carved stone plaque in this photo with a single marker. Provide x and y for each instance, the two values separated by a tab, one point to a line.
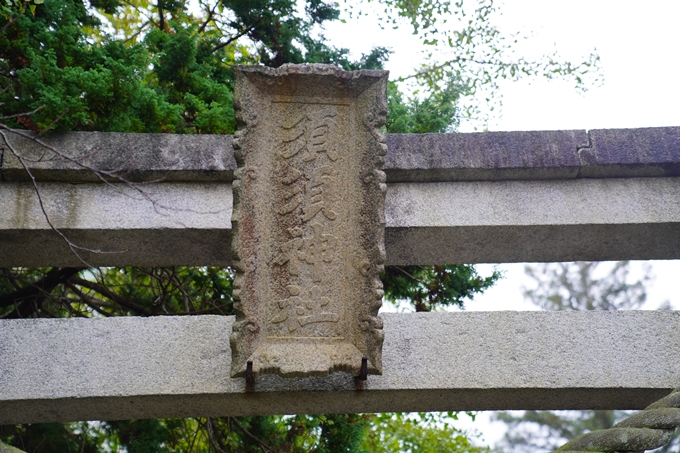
308	219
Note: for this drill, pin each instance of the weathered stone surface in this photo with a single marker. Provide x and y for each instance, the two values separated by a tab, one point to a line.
483	156
308	222
178	367
410	158
528	221
134	157
165	224
653	151
147	247
427	223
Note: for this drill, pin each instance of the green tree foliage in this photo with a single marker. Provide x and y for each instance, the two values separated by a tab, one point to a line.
574	286
176	75
337	433
52	437
429	287
138	66
436	113
46	63
417	433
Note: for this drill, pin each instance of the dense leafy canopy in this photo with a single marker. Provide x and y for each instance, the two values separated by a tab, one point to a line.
417	433
176	77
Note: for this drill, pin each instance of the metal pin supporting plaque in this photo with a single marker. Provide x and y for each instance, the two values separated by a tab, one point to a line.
308	221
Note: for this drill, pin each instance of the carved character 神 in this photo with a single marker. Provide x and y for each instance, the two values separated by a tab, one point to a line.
319	248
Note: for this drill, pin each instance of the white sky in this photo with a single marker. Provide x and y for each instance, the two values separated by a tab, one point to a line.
638	45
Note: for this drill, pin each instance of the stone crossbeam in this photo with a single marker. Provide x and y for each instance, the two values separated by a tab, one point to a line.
452	198
59	370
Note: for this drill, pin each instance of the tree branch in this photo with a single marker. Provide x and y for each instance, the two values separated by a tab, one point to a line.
232	39
103	290
12	19
74	248
201	29
264	447
211	437
43	287
101	174
28	300
88	300
402	270
161	16
21	114
49	126
138	32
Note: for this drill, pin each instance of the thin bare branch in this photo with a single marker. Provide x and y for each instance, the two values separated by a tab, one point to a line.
11	279
402	270
211	13
29	300
105	176
74	248
211	437
117	298
69	307
12	19
88	300
232	39
264	447
138	32
21	114
49	126
41	288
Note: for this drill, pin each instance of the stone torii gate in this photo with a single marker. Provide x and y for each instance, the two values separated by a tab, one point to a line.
451	198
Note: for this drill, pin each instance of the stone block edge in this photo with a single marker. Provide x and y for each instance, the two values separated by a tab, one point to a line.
517	155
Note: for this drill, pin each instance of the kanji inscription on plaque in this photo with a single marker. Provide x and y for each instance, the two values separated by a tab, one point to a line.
308	221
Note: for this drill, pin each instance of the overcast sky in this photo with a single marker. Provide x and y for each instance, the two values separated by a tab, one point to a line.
637	42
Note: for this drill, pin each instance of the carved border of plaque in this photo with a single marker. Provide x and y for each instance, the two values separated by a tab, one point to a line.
308	221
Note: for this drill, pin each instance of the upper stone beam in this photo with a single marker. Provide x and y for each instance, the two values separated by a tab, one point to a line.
135	157
411	158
